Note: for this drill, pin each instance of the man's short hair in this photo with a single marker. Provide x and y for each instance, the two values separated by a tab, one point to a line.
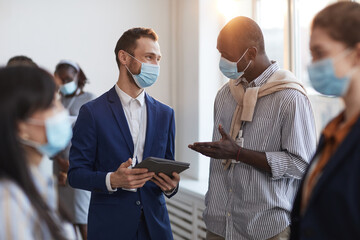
21	60
127	41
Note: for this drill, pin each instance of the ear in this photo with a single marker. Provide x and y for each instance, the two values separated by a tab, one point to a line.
123	57
252	53
22	131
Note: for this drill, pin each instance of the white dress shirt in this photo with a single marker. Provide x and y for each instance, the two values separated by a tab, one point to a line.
136	116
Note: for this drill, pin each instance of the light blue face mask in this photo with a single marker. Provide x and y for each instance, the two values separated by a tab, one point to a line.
229	69
148	74
323	79
58	134
68	88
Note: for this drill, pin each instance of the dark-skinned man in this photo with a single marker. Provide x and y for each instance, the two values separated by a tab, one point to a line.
263	139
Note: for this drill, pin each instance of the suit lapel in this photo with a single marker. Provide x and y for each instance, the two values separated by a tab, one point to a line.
119	115
338	157
150	125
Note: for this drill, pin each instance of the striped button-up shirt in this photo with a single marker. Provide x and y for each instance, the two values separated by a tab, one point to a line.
243	202
18	218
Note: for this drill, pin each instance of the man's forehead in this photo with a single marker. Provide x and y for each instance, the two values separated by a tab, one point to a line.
227	40
147	45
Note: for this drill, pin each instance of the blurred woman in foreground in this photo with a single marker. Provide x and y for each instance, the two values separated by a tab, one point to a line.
328	202
32	125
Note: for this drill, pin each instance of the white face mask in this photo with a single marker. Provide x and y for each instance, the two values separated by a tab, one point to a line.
229	69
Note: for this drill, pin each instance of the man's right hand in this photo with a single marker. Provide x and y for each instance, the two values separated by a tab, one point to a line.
129	178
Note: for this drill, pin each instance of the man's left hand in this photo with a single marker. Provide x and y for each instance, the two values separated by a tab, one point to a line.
226	148
166	183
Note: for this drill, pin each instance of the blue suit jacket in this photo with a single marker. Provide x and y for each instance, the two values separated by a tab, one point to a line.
333	210
101	142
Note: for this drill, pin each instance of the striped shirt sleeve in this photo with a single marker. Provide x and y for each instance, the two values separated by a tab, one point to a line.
297	141
17	218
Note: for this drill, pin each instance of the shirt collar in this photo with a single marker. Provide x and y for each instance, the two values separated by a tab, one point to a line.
262	78
126	99
334	130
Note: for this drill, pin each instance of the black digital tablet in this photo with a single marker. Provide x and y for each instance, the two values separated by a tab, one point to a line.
162	165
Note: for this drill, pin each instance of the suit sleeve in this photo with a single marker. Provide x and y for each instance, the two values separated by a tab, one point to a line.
170	148
83	154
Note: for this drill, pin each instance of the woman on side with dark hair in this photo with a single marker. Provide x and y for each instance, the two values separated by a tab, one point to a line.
71	81
327	205
32	124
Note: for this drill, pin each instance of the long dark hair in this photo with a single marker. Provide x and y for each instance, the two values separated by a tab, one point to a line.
23	91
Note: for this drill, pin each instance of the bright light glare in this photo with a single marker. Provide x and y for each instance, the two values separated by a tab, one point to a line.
271	13
309	8
233	8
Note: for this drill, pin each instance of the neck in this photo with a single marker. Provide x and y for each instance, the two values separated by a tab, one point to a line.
33	156
352	99
126	84
259	66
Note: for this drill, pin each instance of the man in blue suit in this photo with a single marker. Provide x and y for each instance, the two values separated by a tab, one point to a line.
113	133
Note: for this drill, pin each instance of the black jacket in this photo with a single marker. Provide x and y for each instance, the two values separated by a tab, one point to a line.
333	210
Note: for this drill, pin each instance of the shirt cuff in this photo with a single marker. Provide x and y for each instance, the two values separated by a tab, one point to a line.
108	185
171	192
278	162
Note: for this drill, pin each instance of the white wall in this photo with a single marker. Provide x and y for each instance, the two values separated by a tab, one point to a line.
187	97
210	78
198	78
85	31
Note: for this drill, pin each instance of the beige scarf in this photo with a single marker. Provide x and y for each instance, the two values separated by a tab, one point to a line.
246	100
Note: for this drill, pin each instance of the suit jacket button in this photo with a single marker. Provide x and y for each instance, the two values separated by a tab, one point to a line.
138	203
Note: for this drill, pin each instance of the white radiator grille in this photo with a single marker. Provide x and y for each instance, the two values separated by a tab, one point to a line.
185	212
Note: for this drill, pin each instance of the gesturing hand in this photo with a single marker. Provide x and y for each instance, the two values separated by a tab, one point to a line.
226	148
129	178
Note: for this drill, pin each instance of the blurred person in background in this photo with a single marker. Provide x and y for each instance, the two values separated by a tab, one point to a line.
327	205
71	80
21	60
